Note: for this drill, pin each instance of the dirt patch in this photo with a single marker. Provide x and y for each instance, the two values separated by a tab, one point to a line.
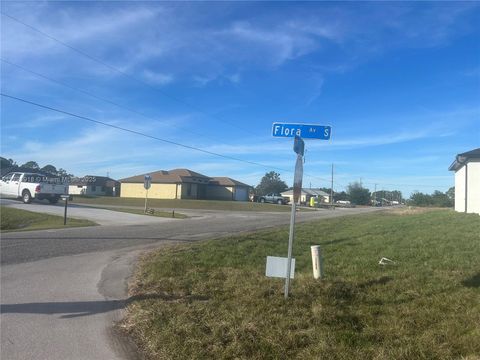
410	210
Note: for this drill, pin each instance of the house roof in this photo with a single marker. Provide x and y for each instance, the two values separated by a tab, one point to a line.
312	192
226	181
174	176
463	158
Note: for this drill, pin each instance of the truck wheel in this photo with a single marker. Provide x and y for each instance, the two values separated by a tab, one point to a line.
26	197
280	202
53	199
262	200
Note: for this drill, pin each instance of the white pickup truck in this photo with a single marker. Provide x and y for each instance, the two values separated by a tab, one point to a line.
29	186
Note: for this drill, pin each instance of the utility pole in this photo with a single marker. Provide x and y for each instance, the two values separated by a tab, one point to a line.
375	196
331	189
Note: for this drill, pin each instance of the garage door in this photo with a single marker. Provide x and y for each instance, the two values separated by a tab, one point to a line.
241	194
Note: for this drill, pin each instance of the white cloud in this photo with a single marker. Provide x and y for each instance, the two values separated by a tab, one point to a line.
218	78
38	122
204	80
20	41
187	43
157	78
274	45
317	90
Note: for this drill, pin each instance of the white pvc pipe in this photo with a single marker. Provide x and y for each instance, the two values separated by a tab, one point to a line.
317	262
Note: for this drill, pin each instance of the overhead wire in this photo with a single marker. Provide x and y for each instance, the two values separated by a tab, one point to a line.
123	73
121	106
265	166
100	98
121	128
95	59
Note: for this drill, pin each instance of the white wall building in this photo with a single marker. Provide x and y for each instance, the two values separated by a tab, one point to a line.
467	181
306	194
95	186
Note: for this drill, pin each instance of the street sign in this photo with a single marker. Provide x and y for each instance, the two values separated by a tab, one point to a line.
148	182
305	131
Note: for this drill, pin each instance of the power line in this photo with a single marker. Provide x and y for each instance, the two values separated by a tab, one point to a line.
83	53
97	97
113	68
149	136
129	130
118	105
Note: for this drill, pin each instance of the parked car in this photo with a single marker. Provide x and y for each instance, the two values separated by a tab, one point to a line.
344	203
274	198
29	186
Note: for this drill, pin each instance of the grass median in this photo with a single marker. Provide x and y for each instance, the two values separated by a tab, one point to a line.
211	300
157	213
12	219
182	204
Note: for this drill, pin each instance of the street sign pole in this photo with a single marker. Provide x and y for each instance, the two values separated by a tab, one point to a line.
146	184
299	132
290	248
65	198
65	212
298	147
146	197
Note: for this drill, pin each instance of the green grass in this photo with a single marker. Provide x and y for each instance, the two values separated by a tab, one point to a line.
12	219
182	204
211	300
167	214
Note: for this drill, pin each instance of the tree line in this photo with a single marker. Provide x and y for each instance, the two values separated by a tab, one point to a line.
357	194
10	165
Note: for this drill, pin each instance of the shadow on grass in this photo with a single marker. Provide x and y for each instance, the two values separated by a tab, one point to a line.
473	281
337	241
380	281
348	240
72	309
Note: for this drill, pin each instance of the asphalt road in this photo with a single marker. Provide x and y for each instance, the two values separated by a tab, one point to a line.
62	290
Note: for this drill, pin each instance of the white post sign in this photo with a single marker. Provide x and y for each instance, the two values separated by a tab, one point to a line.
277	267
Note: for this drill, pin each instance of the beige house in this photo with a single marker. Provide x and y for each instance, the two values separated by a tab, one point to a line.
225	188
184	184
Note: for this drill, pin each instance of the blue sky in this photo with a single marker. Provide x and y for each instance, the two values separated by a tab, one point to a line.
398	82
